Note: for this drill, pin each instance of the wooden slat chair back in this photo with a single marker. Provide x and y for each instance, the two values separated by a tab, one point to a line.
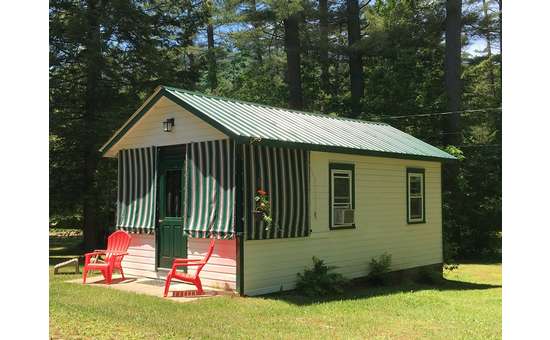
117	246
118	242
191	278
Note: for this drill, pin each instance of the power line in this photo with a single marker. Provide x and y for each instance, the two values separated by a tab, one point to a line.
489	109
480	146
461	132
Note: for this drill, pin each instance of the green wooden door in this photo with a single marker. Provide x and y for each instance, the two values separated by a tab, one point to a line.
171	241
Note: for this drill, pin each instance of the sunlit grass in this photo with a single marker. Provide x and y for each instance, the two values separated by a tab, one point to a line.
467	306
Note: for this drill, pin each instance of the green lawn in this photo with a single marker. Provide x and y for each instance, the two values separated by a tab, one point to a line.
466	306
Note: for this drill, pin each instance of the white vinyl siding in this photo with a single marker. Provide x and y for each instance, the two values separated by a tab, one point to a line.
149	131
380	219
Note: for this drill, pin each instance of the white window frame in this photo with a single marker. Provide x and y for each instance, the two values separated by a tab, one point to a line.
333	204
416	174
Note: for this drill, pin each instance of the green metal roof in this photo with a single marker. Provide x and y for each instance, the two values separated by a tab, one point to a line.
248	122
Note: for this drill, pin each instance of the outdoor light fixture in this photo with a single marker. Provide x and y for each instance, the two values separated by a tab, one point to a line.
168	124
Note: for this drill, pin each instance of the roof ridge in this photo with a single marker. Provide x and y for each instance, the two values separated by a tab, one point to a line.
271	107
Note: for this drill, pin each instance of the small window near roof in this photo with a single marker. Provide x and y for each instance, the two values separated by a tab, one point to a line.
416	197
342	196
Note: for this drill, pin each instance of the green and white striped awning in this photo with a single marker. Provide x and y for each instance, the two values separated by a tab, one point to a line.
136	199
284	174
210	189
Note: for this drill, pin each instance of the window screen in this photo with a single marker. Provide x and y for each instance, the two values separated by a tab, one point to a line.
341	203
415	196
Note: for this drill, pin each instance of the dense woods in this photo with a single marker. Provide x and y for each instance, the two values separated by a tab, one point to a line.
430	68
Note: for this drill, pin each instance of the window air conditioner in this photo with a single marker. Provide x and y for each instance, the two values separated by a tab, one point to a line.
344	216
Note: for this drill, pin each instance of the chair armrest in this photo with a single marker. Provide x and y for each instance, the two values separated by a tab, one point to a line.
91	256
95	252
186	260
175	265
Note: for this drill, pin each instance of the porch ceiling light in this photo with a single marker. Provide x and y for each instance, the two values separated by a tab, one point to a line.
168	124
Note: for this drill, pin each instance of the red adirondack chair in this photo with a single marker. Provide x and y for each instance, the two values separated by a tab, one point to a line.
117	247
191	278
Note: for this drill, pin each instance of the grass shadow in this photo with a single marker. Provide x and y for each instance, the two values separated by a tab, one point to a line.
359	290
63	247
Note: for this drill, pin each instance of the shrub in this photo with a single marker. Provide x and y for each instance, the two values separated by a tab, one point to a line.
378	267
320	280
449	267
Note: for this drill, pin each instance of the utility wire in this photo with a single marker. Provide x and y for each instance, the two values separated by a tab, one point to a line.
479	146
489	109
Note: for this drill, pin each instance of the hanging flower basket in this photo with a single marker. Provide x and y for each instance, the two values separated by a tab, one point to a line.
263	208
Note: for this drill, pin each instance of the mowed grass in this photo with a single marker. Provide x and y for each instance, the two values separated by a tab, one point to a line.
466	306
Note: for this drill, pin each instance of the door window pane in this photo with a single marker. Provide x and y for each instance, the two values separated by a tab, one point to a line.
173	196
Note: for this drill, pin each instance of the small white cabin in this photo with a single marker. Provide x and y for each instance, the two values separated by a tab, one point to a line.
343	190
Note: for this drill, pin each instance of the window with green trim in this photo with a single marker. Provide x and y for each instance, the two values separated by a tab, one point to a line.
416	196
342	196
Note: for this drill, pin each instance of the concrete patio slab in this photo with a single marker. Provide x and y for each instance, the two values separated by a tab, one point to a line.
179	292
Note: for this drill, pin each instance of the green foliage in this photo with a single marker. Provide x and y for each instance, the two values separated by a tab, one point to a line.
320	280
378	268
263	206
453	150
449	267
103	64
146	43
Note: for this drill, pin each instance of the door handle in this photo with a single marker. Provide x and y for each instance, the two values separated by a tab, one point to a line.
160	221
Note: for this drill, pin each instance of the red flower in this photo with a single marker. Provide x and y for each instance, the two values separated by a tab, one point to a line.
261	192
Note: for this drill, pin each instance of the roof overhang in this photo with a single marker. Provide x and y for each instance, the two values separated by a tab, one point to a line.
161	91
338	149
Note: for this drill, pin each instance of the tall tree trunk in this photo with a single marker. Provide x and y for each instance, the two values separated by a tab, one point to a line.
452	69
338	65
452	134
500	23
212	67
256	23
323	45
292	46
355	57
93	62
487	32
487	28
211	53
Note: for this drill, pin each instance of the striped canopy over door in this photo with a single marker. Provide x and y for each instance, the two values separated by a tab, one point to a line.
210	189
136	199
283	173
